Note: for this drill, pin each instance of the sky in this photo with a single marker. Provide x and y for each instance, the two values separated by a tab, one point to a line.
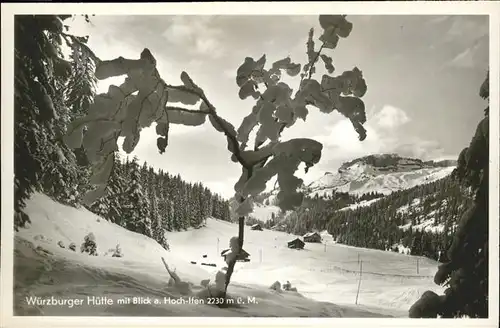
423	74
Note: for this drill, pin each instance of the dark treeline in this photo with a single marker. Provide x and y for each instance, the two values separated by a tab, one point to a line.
52	90
392	220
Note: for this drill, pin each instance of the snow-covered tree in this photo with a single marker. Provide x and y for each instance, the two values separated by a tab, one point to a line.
157	227
117	251
136	208
43	78
110	206
121	112
146	179
116	190
89	245
164	201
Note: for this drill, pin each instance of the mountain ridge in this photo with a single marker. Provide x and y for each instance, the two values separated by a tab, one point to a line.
392	160
360	182
381	173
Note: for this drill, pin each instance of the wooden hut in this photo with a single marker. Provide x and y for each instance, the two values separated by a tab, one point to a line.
296	244
256	227
312	237
242	257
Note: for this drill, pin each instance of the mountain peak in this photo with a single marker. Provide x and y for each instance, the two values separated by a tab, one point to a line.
382	173
394	162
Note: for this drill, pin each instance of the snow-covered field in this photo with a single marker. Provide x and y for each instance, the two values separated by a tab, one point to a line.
325	275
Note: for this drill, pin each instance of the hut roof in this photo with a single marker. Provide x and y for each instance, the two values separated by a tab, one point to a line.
310	234
296	241
243	253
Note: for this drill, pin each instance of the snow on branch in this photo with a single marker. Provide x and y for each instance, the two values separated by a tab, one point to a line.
144	97
286	158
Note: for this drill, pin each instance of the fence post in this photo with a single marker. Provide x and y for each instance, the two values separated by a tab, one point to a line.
325	246
358	258
217	245
417	266
359	284
260	255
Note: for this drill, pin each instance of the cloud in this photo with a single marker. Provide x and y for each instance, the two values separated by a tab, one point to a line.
438	20
196	35
269	43
467	58
420	148
230	72
464	39
342	141
178	32
385	134
467	29
345	140
391	117
469	34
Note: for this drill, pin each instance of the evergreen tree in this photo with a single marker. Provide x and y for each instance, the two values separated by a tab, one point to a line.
164	201
146	179
116	189
42	161
110	206
136	211
157	227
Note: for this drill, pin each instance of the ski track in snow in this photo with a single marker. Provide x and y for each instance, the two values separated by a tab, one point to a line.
326	281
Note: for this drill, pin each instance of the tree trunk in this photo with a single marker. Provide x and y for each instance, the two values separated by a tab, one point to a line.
230	269
241	231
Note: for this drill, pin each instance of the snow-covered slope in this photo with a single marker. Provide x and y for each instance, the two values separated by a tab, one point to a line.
380	173
326	275
362	203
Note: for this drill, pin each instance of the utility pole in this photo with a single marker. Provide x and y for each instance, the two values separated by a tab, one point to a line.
359	284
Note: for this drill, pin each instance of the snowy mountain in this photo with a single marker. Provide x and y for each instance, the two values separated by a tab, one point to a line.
419	220
325	275
384	174
381	174
384	202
